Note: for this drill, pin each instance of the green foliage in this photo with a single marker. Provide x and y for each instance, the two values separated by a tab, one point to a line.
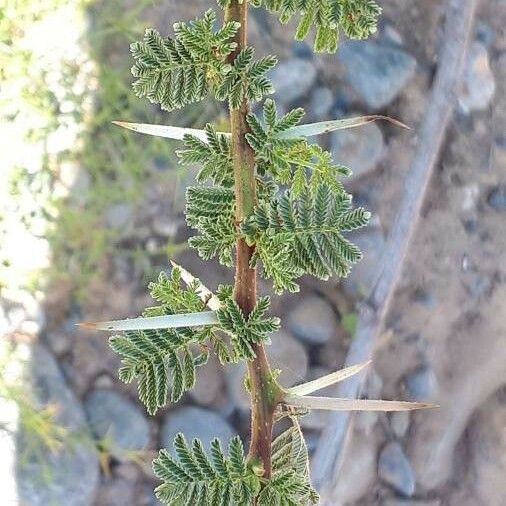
349	322
214	155
304	235
356	18
211	211
290	483
246	332
288	160
190	476
164	360
246	79
174	72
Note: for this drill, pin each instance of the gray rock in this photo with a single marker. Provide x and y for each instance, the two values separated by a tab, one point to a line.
400	423
395	469
312	320
292	79
69	476
209	383
195	422
421	385
378	73
302	50
234	377
484	33
479	83
322	100
117	420
363	275
59	342
410	502
360	149
497	198
480	286
119	215
290	356
425	298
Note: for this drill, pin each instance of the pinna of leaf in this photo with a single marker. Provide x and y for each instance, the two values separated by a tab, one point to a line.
296	396
266	198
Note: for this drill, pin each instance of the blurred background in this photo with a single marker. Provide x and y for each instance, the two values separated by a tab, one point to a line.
90	213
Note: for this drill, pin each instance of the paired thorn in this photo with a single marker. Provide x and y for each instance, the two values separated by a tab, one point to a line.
304	130
337	404
297	396
328	380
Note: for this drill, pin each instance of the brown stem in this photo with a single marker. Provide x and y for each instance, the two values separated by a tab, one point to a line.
263	387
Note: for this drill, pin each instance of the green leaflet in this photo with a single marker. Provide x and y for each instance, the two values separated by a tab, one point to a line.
214	154
175	72
210	210
165	360
246	80
290	483
193	477
357	19
289	159
304	235
161	360
246	332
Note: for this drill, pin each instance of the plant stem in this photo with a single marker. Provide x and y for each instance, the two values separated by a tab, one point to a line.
264	389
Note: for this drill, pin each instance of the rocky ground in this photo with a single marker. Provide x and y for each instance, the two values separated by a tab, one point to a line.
445	336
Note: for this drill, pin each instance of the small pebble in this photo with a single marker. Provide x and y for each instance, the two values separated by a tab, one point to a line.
118	421
293	79
312	320
195	422
377	72
479	83
497	198
421	385
395	469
